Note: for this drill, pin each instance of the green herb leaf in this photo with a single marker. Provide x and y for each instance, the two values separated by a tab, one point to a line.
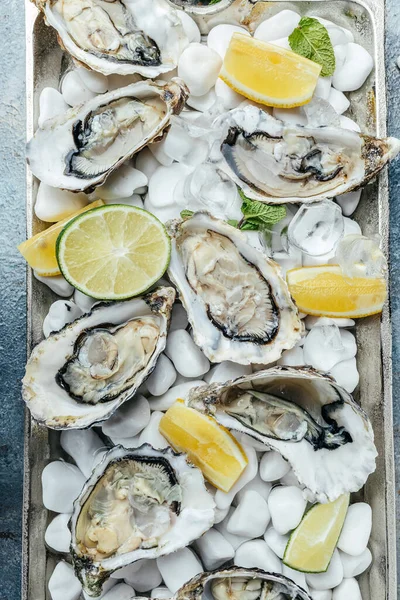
186	214
311	40
260	216
233	222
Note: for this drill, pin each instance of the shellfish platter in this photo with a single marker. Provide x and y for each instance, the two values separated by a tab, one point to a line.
208	375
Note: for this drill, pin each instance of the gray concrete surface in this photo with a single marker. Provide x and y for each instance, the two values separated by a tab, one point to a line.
393	75
12	272
12	290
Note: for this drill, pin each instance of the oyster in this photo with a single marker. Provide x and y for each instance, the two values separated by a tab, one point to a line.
237	583
118	36
306	417
80	375
237	302
276	162
137	503
80	149
201	7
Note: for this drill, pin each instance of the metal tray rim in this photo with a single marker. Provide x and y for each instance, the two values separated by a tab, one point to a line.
376	9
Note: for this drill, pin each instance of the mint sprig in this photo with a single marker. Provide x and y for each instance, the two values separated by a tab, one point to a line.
311	40
186	214
258	215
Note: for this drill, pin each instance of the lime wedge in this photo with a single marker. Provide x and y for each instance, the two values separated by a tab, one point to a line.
113	252
312	543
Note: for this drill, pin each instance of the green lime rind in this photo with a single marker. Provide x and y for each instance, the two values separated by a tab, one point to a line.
292	539
62	237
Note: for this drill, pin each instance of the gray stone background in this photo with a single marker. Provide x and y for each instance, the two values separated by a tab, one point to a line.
12	272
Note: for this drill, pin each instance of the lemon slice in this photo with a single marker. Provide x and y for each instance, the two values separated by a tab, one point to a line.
312	543
208	445
40	250
325	291
113	252
268	74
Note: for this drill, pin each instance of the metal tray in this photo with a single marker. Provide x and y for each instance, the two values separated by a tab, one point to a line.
45	65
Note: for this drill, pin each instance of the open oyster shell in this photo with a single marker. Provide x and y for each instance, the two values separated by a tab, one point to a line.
80	375
306	417
276	162
79	150
237	302
201	7
118	36
137	503
237	583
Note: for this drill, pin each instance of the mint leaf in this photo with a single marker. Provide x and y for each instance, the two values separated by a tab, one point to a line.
233	222
259	216
186	214
311	40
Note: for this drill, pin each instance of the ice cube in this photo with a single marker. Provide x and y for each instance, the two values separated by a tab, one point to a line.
320	113
360	256
208	188
317	228
182	147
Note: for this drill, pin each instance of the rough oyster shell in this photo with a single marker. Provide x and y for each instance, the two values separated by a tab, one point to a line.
237	302
61	373
276	162
80	149
203	586
201	7
312	422
121	36
186	498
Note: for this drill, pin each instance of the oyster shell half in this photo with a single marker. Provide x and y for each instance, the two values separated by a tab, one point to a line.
137	503
201	7
80	375
276	163
237	583
80	149
306	417
118	36
237	302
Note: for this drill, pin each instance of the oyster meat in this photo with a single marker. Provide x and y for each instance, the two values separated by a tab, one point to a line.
138	503
118	36
80	149
201	7
306	417
237	302
276	162
237	583
80	375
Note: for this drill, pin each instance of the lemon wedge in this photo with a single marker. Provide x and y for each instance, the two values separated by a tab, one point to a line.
40	250
268	74
208	445
325	291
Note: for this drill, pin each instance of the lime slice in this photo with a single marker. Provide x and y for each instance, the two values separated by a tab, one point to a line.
113	252
312	543
40	250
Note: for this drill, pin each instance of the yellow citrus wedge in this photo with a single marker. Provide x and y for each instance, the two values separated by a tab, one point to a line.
312	543
113	252
208	445
268	74
325	291
40	250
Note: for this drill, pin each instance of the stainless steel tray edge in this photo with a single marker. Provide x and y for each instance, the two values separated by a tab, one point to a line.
381	583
